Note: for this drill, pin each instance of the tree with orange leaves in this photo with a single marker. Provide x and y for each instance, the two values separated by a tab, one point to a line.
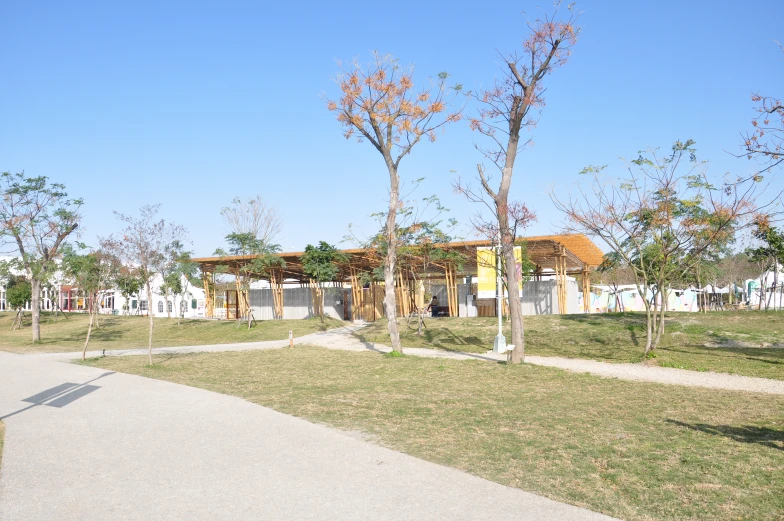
766	141
661	221
505	109
378	103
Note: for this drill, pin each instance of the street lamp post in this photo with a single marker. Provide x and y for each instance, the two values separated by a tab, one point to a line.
499	345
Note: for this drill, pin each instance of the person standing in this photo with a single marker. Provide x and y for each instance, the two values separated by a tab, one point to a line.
433	307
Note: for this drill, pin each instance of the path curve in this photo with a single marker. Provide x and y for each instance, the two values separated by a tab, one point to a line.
344	338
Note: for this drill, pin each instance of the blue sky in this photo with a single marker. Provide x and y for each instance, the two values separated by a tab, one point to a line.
192	104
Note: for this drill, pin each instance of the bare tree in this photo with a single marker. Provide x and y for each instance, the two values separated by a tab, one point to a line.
508	106
252	217
150	247
253	226
379	104
36	217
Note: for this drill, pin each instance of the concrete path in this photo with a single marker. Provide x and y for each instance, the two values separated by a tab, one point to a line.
110	446
343	338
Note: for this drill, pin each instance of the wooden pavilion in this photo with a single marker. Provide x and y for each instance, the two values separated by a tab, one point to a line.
559	255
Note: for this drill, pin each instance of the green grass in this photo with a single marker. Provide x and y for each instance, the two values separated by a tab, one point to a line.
633	450
743	342
118	332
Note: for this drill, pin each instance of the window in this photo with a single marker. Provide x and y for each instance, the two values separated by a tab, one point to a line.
193	304
142	305
169	305
160	307
133	304
183	306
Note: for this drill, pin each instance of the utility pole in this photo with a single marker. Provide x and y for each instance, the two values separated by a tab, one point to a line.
499	345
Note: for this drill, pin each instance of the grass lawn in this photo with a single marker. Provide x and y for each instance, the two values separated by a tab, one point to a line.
633	450
742	342
118	332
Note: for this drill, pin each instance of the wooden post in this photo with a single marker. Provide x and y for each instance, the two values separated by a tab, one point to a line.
209	295
453	304
563	281
559	280
241	311
378	301
448	279
276	283
356	296
405	295
586	290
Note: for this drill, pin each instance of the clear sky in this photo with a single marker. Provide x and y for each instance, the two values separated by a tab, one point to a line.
192	104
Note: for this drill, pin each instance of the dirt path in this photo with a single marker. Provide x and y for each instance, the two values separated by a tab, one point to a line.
344	339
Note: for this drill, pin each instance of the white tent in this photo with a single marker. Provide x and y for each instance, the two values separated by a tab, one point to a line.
771	285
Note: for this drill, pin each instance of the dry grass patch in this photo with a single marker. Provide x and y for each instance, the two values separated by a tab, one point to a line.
742	342
123	332
633	450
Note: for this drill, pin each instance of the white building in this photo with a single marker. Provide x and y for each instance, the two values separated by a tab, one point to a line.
66	296
189	305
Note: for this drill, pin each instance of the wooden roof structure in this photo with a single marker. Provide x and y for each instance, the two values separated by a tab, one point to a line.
576	253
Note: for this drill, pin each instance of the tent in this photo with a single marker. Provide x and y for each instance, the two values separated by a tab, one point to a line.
771	285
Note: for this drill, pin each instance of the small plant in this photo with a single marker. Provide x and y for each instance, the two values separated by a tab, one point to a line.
394	354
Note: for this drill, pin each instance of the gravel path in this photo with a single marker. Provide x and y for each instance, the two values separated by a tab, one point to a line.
342	338
111	446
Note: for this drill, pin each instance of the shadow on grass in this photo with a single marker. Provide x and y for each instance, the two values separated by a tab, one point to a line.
636	319
162	360
765	436
370	346
98	335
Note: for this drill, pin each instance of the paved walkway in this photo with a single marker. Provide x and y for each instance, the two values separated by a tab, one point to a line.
83	444
343	338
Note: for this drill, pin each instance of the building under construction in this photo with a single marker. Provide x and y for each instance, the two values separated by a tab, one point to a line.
560	275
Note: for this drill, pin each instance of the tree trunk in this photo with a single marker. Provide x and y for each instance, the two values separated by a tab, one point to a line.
517	355
765	292
390	303
89	330
36	311
515	309
660	325
321	295
649	327
149	314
